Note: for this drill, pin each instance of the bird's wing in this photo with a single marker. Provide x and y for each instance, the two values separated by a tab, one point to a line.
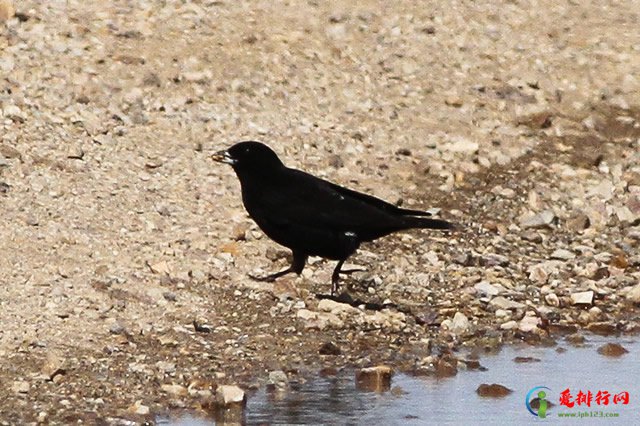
310	201
376	202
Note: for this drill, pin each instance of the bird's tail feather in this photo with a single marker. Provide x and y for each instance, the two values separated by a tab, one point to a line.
409	212
430	223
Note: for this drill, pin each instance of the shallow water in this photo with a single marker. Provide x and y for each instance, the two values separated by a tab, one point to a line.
335	400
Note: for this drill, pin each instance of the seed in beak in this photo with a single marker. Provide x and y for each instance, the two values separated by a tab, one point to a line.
223	157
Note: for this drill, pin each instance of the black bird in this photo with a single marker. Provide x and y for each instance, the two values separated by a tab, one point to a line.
309	215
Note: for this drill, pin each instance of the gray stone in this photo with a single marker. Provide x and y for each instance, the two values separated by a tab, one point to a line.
501	313
279	379
563	254
386	319
620	102
538	274
139	408
532	236
464	259
117	328
229	395
540	220
603	191
306	315
20	386
13	112
461	145
485	288
582	298
166	367
460	324
494	260
529	323
634	294
500	302
176	390
509	325
625	215
328	305
552	299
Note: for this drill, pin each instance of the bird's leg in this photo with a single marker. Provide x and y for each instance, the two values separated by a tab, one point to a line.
297	265
335	277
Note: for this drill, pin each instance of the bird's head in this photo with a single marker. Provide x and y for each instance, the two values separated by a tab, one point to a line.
248	155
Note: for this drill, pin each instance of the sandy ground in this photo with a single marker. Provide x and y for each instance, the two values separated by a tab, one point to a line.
518	118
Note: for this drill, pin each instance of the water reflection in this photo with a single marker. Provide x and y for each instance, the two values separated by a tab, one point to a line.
420	400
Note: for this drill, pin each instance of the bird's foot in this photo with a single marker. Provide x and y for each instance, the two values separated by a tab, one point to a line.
351	271
271	278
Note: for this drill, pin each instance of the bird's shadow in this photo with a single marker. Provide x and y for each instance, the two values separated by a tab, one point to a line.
345	297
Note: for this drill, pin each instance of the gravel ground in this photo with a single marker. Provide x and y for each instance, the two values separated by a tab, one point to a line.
123	287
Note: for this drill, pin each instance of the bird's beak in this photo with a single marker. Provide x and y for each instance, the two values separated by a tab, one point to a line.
223	157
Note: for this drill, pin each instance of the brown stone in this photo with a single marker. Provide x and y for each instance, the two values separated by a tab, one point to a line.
576	339
7	10
54	366
493	391
578	222
329	348
446	367
525	359
603	329
612	350
374	379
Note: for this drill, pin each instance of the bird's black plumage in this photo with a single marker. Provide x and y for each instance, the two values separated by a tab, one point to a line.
309	215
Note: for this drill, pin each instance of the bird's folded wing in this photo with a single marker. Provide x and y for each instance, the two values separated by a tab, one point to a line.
310	201
377	202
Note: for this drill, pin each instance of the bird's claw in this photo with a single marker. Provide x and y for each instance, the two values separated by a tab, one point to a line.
351	271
